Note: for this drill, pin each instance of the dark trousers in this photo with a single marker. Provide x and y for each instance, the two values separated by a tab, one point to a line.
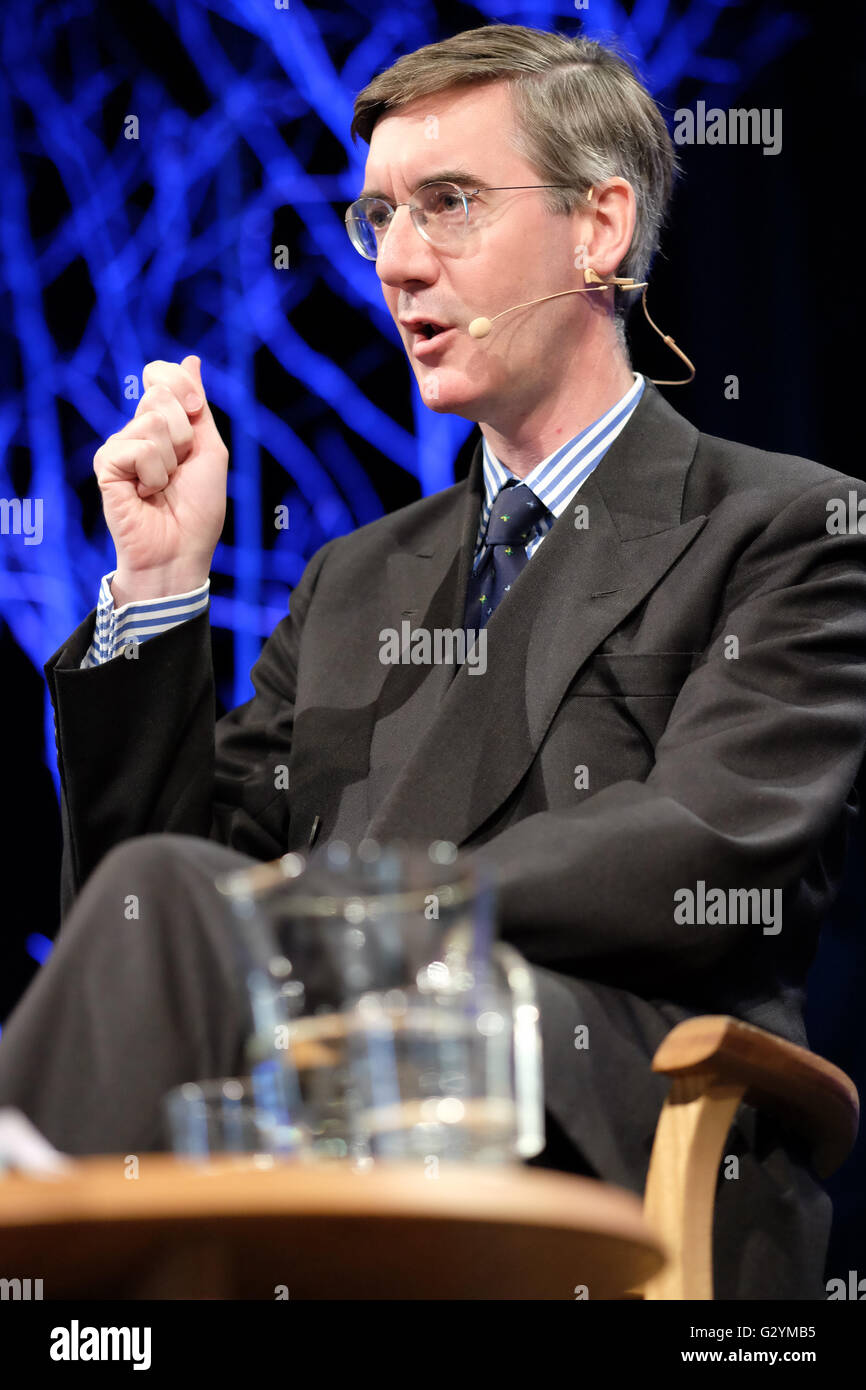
142	992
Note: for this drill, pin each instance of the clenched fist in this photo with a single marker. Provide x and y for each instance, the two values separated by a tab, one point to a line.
163	484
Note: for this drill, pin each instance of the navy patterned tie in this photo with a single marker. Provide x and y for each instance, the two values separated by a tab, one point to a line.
513	521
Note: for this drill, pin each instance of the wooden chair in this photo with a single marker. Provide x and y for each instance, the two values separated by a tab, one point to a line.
715	1063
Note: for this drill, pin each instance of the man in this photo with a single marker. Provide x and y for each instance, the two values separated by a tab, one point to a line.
672	700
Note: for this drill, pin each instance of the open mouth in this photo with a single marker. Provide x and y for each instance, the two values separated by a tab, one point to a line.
423	332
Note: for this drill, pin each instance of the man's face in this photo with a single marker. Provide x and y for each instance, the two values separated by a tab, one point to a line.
514	251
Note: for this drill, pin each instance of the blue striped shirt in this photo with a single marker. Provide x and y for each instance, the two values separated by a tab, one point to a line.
554	481
558	477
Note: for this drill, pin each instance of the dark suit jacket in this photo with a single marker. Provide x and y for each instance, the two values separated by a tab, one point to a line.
698	646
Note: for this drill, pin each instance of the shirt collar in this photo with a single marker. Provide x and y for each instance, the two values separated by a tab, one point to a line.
556	478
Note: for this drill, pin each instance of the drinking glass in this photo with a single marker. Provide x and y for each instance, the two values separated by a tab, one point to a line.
245	1117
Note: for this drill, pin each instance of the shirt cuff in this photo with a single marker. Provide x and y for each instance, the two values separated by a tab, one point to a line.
123	628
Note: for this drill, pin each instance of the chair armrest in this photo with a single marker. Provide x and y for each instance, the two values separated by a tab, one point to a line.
807	1093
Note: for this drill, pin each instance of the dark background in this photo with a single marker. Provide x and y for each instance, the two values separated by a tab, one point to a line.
115	252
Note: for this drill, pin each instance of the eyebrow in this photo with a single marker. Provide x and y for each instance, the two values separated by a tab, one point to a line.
461	176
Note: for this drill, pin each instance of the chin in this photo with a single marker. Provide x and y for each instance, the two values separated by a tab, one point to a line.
456	396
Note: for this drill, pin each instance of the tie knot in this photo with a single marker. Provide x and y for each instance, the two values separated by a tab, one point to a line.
514	516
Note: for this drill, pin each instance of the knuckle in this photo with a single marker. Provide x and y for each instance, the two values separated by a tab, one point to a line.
159	392
153	422
154	374
101	455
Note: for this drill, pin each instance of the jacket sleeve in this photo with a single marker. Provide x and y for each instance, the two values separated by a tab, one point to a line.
139	749
751	774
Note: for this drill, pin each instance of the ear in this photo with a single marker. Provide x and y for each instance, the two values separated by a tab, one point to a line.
613	216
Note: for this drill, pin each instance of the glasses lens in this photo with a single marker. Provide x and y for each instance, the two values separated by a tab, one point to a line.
367	222
441	212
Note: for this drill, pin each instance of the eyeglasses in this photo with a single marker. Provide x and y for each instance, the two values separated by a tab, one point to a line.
440	213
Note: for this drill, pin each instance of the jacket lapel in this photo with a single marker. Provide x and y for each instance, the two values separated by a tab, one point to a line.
425	589
465	740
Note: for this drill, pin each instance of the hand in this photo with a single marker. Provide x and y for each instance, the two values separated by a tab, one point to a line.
163	484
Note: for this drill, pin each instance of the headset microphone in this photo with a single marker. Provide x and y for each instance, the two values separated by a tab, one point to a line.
479	328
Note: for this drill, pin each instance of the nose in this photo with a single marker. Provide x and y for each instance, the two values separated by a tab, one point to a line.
403	253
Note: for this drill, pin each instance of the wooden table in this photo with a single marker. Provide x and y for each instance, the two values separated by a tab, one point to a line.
234	1230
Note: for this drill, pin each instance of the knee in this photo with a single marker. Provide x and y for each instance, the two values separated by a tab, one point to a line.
140	874
160	847
169	855
164	884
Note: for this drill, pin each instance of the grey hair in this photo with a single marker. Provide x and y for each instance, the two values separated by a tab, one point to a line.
582	116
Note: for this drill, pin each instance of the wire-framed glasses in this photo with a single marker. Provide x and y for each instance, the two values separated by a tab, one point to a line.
440	212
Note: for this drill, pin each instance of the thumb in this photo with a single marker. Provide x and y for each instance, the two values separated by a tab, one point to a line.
193	366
